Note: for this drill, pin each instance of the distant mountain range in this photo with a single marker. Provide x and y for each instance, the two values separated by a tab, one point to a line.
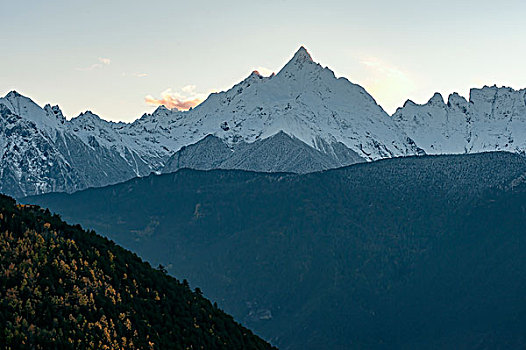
406	253
302	119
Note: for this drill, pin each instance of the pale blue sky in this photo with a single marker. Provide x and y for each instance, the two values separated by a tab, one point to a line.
107	56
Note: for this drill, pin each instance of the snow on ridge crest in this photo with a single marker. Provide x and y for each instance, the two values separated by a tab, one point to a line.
494	119
302	55
437	99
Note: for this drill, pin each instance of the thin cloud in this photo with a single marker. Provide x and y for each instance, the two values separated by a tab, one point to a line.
136	75
102	62
184	100
189	89
172	102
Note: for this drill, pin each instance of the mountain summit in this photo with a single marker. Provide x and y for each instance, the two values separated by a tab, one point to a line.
304	100
302	55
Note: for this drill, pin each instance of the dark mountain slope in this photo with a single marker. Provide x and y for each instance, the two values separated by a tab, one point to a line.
65	288
277	153
400	253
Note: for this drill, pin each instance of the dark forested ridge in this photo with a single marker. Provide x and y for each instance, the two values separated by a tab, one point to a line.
64	288
419	252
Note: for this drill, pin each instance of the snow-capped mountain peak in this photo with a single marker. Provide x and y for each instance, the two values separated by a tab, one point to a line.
12	94
88	116
302	55
253	78
19	104
437	99
255	74
304	100
300	65
27	109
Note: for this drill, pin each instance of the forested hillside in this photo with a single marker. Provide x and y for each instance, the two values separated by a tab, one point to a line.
64	288
419	252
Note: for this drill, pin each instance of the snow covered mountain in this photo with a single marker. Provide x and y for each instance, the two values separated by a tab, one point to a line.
304	100
494	119
43	152
301	119
322	120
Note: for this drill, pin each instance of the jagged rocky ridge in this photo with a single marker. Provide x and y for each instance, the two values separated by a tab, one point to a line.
301	119
494	119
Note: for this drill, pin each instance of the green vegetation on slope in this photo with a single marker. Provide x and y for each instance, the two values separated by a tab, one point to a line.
408	253
62	287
